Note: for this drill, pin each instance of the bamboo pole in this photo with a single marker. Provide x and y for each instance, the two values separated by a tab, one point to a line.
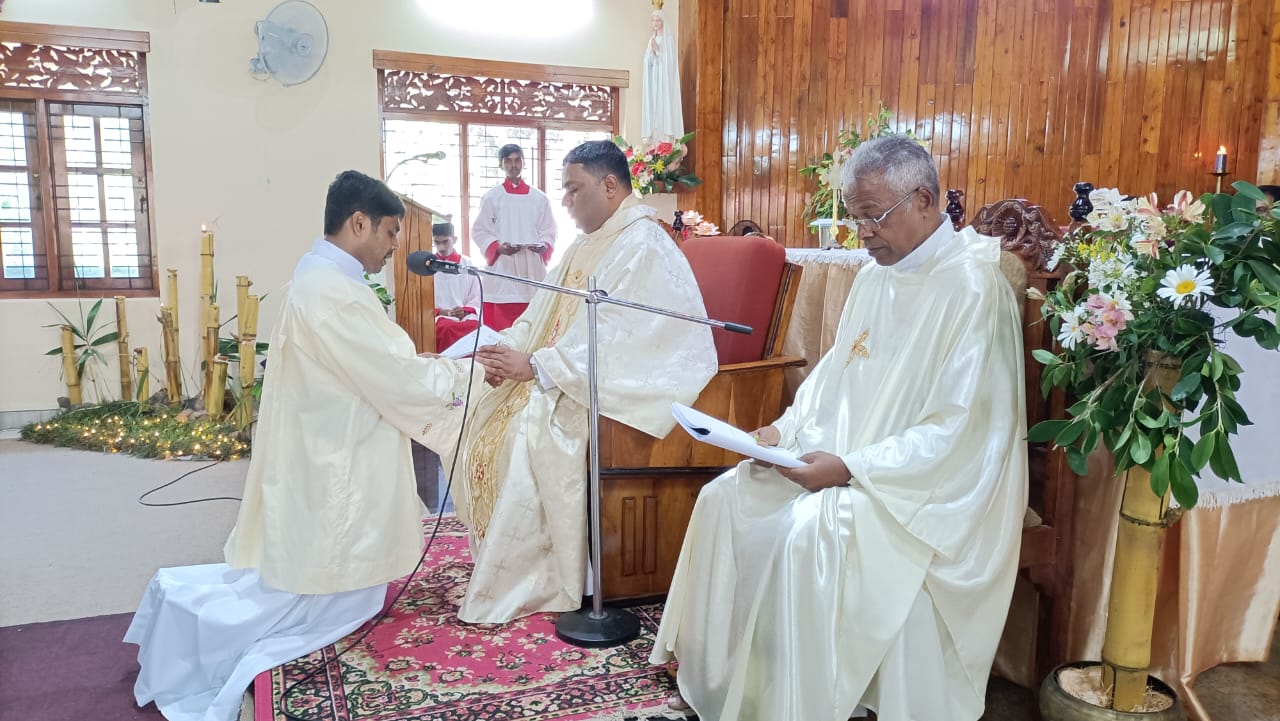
122	347
217	388
144	374
173	372
212	322
242	295
248	359
206	300
69	366
1126	649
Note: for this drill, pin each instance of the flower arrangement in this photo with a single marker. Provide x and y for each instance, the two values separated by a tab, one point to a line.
655	167
1142	284
696	225
828	168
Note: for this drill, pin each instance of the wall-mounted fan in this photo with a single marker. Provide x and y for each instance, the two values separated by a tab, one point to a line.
292	42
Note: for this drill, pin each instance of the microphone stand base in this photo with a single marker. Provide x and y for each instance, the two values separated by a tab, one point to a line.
613	627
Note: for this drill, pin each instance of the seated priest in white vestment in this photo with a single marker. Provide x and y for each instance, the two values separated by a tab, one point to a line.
330	511
457	300
523	489
879	574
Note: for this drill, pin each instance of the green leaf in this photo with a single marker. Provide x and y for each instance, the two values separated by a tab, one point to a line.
93	314
75	330
1045	431
1160	475
1185	387
54	351
1223	462
1203	449
1268	274
1214	254
1215	365
1153	423
1184	486
1140	449
1250	191
1045	356
1078	462
105	338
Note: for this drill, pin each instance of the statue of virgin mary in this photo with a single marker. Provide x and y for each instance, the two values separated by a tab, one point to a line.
661	117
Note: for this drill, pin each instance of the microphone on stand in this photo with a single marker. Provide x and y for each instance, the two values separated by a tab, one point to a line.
420	262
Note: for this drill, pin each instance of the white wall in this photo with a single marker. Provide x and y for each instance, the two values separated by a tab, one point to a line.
252	159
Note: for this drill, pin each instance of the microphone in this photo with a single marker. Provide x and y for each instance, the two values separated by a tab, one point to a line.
420	262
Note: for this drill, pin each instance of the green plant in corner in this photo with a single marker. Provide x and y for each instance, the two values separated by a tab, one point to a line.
89	336
826	169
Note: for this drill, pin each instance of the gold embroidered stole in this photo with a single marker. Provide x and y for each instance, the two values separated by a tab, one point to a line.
482	464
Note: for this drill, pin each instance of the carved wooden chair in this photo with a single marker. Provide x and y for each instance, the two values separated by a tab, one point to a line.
649	485
1027	238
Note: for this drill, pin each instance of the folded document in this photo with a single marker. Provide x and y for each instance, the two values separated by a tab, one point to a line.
716	432
466	345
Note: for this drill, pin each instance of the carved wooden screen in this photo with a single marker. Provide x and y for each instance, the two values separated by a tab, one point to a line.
74	170
468	108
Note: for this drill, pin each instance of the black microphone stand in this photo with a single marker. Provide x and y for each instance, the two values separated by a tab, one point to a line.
597	627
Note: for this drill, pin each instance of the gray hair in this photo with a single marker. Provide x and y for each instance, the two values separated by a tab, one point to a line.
905	164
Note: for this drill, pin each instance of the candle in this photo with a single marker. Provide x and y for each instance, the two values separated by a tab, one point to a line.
1220	162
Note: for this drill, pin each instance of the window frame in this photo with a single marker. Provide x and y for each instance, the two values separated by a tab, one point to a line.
46	228
383	61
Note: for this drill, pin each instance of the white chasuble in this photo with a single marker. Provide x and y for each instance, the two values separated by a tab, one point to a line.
523	484
793	606
330	510
330	502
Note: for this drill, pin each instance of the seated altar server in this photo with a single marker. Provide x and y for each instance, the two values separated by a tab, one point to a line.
330	510
524	492
457	299
881	573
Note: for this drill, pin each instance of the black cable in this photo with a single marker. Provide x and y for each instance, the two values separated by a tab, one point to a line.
183	503
372	624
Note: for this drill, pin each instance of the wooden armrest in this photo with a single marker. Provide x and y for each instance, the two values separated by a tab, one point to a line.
779	362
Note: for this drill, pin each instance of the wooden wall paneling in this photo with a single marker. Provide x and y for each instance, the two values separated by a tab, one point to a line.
1268	168
1014	99
1177	154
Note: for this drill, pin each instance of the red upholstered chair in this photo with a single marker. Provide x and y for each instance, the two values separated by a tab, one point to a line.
739	279
649	485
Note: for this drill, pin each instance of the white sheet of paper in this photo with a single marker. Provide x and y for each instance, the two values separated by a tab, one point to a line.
716	432
467	343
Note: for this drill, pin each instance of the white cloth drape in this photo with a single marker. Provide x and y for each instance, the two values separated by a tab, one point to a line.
204	632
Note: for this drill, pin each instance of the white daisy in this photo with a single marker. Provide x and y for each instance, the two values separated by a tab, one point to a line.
1184	284
1073	327
1056	257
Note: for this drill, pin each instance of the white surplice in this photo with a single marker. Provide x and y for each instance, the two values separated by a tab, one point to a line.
518	219
461	290
523	486
330	510
891	591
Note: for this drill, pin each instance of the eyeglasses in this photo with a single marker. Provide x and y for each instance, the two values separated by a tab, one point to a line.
871	225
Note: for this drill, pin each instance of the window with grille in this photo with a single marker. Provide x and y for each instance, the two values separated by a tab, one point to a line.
468	109
74	175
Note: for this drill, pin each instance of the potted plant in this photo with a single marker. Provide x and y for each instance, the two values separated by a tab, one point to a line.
1139	320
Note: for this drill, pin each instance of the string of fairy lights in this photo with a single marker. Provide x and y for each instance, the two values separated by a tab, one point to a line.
143	431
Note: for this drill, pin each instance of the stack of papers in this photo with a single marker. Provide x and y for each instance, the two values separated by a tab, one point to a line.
716	432
466	345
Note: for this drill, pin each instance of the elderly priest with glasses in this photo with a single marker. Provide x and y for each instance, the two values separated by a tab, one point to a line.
879	575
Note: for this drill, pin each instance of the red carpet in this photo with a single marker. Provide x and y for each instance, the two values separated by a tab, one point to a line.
70	671
421	663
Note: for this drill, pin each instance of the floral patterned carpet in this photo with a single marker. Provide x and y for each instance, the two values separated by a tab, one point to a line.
421	663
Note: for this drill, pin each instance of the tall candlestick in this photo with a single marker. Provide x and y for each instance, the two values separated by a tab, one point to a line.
1220	162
